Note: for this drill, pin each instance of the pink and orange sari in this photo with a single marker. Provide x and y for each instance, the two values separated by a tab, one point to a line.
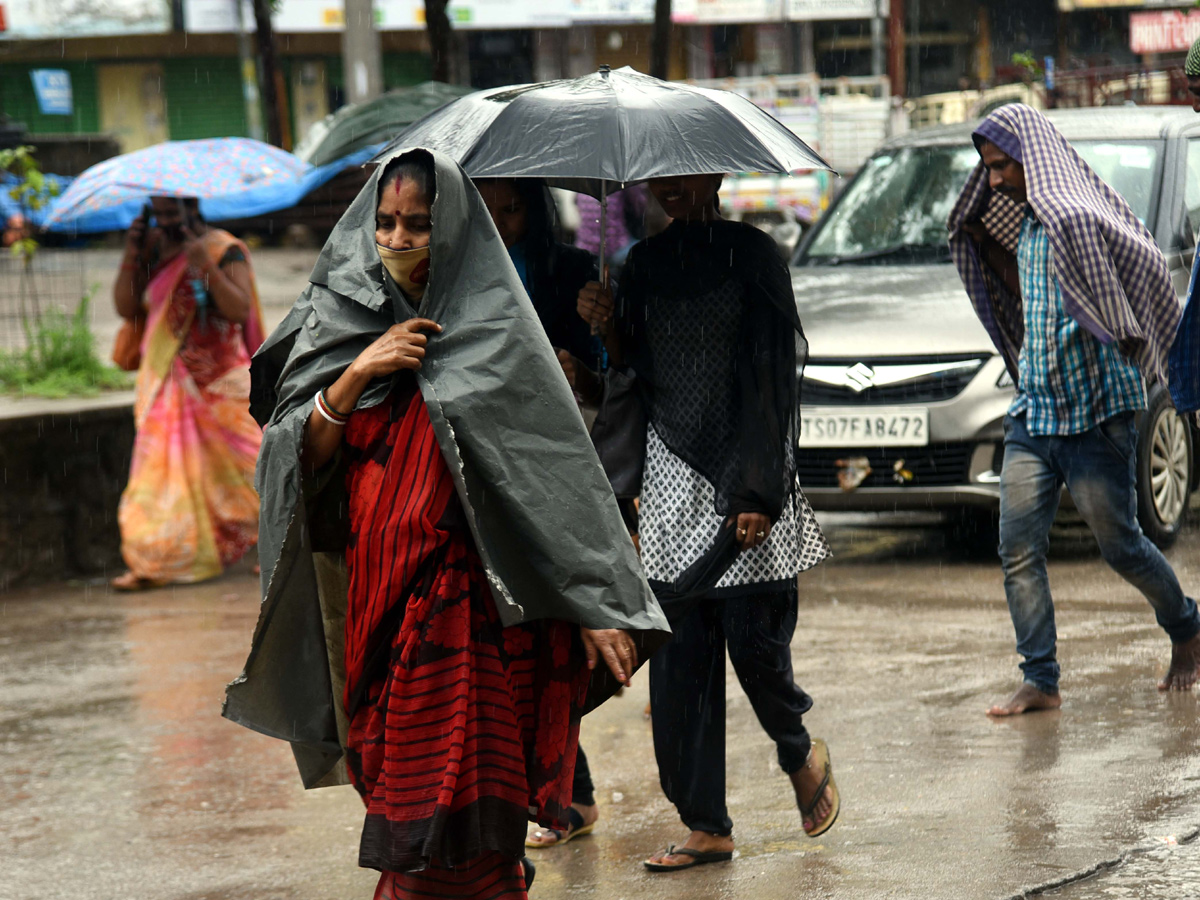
190	508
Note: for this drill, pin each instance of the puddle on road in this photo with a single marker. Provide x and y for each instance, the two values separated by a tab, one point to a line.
1171	873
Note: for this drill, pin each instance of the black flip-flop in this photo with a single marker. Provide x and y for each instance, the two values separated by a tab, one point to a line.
699	858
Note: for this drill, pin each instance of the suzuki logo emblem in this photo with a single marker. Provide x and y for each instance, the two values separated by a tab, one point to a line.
859	377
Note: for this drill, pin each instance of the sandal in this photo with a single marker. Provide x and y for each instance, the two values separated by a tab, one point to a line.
575	829
699	858
530	871
820	752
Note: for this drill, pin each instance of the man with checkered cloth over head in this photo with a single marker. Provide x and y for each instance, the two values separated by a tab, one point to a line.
1184	359
1076	297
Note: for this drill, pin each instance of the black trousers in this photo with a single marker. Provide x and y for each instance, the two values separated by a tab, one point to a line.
687	697
582	790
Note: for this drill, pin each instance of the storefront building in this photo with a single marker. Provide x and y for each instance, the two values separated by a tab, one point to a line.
145	71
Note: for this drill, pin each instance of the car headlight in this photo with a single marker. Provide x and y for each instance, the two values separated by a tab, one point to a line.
1005	380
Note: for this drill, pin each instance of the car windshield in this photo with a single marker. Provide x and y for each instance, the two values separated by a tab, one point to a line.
895	211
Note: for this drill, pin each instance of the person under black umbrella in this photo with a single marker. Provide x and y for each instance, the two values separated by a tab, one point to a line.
553	275
707	324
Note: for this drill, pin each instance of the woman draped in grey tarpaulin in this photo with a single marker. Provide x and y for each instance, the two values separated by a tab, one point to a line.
426	478
707	323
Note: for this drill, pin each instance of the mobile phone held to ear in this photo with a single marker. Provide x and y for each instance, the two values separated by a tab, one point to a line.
147	213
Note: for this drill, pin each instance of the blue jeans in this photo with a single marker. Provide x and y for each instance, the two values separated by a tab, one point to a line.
1098	469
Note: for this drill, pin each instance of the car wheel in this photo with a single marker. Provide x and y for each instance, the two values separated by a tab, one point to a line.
1164	469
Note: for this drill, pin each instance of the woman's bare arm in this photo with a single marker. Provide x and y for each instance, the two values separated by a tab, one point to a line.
130	284
401	347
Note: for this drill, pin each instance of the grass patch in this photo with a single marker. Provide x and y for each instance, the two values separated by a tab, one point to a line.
60	360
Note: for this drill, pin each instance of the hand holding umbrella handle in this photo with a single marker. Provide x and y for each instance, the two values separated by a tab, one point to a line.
595	305
604	297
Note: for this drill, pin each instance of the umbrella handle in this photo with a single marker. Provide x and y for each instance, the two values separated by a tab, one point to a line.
603	242
603	232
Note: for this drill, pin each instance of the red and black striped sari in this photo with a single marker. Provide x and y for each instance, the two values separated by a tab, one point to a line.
461	730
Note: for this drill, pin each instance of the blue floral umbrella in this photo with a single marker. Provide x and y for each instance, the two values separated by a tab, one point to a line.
109	195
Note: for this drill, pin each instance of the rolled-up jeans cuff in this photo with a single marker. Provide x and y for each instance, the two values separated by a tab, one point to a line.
1184	632
1042	686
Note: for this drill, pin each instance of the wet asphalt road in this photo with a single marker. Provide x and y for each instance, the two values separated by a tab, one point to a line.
118	778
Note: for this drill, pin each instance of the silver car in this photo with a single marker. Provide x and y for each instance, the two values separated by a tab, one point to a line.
904	395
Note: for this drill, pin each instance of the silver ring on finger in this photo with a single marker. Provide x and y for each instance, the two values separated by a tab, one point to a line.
761	535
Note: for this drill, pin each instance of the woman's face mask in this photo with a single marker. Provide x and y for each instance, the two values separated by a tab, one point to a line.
403	227
408	268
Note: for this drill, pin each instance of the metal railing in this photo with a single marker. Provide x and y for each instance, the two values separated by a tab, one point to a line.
54	280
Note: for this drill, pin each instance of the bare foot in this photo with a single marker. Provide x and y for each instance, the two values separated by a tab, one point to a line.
1185	666
701	842
805	783
132	582
1026	699
548	837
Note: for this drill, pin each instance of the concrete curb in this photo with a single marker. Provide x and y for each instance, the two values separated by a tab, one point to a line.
14	409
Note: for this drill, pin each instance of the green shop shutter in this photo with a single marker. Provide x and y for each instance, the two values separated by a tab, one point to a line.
399	70
404	69
18	100
204	98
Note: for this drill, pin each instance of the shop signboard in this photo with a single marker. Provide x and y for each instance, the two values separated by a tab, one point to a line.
712	12
27	19
303	16
300	16
585	12
684	12
216	16
830	10
1164	31
52	87
1073	5
401	15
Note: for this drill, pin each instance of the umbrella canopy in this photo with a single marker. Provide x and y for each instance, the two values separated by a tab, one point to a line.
597	133
110	194
360	125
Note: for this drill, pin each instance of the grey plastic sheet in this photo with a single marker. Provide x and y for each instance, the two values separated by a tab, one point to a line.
538	503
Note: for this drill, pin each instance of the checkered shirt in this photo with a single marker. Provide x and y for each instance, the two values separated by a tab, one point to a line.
1068	381
1184	359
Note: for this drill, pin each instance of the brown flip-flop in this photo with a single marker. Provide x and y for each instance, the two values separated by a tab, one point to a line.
820	752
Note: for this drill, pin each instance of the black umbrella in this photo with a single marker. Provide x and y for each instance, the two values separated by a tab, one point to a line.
599	133
360	125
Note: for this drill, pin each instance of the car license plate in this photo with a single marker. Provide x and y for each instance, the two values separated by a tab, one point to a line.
902	426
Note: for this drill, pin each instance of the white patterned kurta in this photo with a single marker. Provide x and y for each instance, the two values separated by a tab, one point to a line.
677	522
